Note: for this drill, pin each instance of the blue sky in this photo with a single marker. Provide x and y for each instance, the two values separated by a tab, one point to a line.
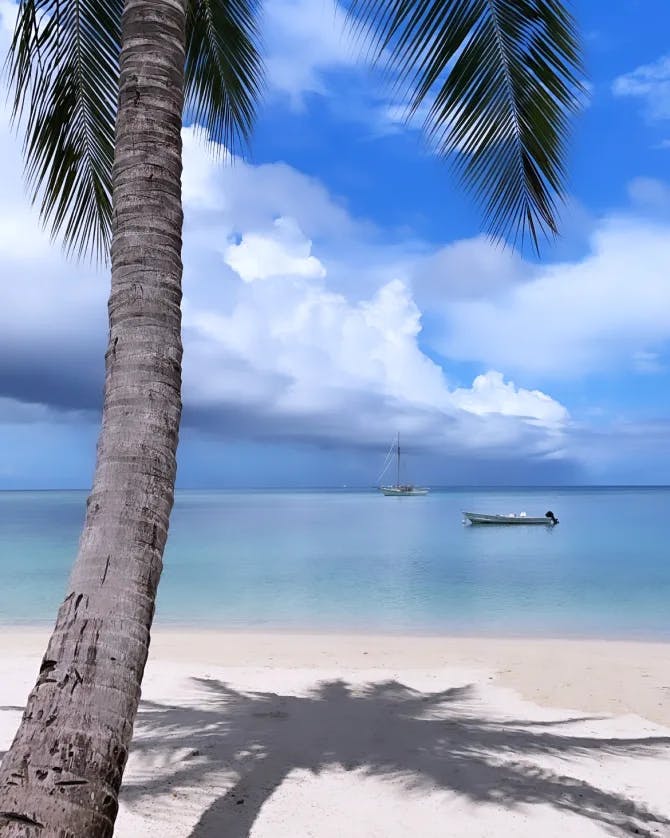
338	288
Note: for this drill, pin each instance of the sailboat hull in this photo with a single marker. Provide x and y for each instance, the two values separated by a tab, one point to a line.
402	492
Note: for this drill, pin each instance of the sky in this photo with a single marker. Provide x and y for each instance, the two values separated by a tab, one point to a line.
338	288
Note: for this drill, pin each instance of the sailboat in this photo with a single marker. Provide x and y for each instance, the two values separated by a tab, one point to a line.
398	489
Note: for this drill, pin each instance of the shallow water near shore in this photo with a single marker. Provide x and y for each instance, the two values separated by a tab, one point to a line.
357	561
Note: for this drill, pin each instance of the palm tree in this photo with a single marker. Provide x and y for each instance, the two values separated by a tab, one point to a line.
500	80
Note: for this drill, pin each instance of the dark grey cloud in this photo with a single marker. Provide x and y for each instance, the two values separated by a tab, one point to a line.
62	380
332	453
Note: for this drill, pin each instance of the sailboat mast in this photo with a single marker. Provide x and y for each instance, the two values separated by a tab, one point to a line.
397	481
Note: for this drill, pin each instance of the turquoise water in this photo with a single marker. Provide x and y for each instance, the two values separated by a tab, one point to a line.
360	561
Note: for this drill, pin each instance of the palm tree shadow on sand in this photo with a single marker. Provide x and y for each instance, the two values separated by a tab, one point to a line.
424	740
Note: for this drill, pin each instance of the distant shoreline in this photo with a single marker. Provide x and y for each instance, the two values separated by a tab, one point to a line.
434	488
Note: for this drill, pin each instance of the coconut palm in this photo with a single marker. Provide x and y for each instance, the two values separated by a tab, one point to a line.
100	88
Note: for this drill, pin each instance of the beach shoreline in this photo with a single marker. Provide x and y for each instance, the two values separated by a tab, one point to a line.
611	675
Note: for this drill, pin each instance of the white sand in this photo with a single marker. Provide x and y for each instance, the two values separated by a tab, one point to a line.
289	736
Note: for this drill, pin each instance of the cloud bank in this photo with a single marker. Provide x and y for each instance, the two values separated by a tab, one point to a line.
305	325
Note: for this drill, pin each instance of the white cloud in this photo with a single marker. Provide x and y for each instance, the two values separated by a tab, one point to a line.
305	39
302	321
311	360
390	117
282	252
575	318
245	197
651	84
649	193
274	345
305	355
467	269
647	362
490	393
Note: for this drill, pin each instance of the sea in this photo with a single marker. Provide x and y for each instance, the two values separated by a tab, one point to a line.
356	561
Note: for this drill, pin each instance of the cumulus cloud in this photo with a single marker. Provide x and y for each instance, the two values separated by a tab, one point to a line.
309	47
468	269
305	39
490	393
648	193
307	362
237	196
651	84
284	252
597	314
292	353
275	348
304	322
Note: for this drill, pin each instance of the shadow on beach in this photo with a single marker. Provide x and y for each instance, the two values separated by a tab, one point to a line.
424	740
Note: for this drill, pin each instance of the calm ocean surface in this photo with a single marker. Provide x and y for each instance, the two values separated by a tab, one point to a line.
360	561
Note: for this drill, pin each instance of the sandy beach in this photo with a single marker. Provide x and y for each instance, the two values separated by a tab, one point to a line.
288	735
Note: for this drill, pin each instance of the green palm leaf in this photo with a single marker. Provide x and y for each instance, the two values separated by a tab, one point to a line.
63	69
224	69
500	80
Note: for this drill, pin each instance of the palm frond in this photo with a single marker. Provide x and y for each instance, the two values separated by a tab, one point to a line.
63	68
500	80
224	73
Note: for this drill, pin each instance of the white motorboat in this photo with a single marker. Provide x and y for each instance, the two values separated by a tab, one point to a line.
548	520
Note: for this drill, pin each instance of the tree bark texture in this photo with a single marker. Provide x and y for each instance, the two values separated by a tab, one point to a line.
63	772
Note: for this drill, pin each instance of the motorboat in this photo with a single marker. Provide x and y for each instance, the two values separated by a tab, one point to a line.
548	519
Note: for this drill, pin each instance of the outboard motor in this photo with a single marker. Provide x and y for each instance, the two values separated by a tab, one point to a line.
551	516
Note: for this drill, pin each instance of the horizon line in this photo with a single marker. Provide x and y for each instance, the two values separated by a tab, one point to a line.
366	487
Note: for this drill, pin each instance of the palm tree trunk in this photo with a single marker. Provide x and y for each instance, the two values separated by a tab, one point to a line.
62	774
